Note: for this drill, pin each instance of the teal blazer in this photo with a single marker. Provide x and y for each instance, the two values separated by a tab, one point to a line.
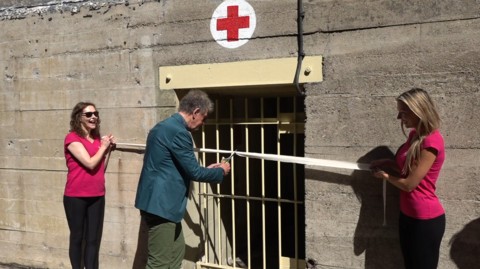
169	165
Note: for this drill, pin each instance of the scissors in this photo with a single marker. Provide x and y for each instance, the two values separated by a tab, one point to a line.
229	157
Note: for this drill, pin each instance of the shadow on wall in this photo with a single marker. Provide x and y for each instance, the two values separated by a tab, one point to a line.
194	254
379	243
141	254
465	250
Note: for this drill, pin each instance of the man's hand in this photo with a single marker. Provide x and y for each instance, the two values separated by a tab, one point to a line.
225	166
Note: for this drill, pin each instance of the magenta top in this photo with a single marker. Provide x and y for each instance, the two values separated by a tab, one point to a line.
422	202
82	182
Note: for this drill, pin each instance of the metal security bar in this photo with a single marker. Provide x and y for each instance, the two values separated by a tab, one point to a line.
255	195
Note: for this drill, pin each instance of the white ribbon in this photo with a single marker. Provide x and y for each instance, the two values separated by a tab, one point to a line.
293	159
281	158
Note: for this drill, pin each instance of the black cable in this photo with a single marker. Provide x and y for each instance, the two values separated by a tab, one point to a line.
301	54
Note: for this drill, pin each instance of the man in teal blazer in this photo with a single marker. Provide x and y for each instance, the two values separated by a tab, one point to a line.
168	167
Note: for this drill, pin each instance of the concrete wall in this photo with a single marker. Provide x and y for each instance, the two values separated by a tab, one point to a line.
56	53
51	59
374	51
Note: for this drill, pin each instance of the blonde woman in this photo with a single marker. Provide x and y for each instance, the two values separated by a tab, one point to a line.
419	161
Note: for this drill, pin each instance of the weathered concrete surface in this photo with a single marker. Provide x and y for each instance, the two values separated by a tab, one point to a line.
353	113
54	54
50	61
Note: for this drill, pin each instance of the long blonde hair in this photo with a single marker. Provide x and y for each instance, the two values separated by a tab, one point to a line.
425	109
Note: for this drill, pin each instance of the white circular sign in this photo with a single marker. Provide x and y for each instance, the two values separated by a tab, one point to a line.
233	23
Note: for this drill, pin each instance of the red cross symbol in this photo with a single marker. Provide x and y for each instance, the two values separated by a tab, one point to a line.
233	23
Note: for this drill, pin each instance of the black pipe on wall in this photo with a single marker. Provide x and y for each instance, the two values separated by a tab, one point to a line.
301	53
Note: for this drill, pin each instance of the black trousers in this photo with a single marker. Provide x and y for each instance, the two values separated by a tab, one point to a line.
84	214
420	241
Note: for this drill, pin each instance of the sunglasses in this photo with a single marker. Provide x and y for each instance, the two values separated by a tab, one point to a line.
90	114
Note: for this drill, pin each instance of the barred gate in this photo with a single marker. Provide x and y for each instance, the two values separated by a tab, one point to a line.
255	218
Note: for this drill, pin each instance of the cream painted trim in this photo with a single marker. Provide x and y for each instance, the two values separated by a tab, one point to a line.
246	73
289	263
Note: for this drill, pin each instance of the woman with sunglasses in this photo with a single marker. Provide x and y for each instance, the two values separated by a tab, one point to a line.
86	154
419	161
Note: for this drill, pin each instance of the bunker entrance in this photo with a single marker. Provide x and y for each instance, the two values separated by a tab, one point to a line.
256	217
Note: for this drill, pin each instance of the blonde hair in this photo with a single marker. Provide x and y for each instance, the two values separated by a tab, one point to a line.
425	109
